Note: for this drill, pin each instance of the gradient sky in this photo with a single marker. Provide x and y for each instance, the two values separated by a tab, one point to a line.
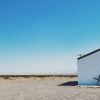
45	36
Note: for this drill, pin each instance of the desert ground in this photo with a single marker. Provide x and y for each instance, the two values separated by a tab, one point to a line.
49	88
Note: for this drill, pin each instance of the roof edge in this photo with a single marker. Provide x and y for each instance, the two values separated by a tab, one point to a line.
88	54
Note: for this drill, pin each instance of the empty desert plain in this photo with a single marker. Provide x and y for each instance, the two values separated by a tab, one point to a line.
49	88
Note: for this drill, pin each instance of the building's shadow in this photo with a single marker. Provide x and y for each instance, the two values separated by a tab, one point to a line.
70	83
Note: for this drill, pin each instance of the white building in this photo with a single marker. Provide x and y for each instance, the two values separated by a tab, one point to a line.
89	68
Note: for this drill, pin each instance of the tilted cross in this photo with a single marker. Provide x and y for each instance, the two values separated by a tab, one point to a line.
98	80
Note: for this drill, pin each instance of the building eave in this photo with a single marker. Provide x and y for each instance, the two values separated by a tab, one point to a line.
89	54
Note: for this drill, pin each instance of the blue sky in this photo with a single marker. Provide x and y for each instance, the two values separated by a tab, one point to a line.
45	36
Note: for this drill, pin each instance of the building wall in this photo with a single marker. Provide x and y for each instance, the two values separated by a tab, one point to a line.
89	67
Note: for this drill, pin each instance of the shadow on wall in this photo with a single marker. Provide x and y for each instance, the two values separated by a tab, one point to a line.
70	83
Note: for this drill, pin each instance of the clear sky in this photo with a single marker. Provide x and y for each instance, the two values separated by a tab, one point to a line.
45	36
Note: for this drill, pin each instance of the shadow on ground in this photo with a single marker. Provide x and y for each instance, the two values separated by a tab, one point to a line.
70	83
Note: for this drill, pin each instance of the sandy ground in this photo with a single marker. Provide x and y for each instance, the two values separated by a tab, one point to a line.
45	89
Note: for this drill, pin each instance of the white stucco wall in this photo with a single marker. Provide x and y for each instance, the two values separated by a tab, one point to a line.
89	67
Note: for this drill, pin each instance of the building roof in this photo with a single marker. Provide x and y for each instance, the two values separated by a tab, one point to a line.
89	54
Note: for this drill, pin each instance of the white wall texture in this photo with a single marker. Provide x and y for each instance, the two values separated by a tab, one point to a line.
89	67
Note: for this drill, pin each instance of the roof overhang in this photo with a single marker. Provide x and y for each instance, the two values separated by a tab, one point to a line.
88	54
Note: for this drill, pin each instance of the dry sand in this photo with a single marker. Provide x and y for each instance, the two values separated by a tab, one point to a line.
45	89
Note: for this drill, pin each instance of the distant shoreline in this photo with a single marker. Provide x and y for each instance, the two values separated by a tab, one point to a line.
40	76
